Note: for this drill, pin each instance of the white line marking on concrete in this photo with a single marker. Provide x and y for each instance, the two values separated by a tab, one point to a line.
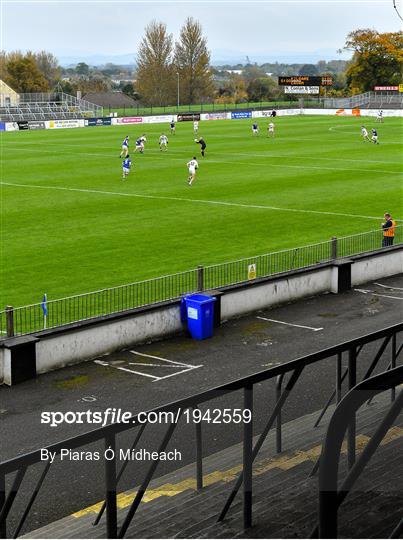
101	362
386	296
290	324
184	199
159	358
179	372
152	365
364	291
389	287
139	373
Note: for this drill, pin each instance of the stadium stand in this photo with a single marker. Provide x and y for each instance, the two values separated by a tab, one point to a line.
48	106
368	100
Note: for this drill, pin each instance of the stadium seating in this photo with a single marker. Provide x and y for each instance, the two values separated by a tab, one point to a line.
368	100
49	107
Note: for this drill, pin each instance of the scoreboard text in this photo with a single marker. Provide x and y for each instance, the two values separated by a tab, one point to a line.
304	80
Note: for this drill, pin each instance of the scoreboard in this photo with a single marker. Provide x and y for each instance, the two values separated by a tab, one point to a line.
305	80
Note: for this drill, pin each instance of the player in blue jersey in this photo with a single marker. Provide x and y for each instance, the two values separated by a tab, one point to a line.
125	147
255	129
172	126
374	137
126	165
140	144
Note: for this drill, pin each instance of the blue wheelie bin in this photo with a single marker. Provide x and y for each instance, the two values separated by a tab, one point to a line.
200	315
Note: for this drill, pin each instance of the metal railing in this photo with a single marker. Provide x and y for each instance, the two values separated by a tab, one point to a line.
330	496
367	100
107	436
30	319
140	110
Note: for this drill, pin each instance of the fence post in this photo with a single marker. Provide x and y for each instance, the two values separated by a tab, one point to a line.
247	458
200	278
110	488
10	321
3	526
352	381
334	248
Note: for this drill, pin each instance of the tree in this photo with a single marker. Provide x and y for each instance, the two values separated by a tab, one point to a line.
233	90
377	59
308	69
155	80
261	89
192	60
83	69
23	74
48	65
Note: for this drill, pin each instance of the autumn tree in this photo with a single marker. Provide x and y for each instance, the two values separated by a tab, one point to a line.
155	80
233	90
377	59
192	60
48	65
23	74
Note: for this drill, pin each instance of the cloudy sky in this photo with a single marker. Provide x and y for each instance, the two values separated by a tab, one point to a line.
300	28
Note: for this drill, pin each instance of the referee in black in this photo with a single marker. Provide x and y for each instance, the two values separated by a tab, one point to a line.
203	145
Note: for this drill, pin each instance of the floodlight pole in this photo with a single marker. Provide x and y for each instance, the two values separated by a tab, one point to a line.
177	74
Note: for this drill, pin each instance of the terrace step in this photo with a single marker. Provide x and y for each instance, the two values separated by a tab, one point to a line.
284	496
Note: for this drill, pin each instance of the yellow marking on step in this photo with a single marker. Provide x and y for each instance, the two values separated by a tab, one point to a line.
283	462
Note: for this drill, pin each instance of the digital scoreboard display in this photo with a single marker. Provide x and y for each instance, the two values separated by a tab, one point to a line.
305	80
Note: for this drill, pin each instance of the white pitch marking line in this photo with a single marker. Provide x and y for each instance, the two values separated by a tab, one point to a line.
183	199
163	359
139	373
290	324
389	287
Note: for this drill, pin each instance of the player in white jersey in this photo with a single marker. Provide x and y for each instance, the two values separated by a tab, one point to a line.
163	142
125	147
270	130
195	127
364	134
192	166
379	116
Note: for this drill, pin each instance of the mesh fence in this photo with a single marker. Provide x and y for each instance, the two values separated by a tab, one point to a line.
30	319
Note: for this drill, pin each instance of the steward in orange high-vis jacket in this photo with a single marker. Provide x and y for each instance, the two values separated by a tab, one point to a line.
388	231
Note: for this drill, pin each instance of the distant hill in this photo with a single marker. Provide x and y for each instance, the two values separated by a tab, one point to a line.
219	57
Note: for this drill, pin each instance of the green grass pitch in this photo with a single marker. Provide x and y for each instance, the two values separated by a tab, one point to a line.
71	225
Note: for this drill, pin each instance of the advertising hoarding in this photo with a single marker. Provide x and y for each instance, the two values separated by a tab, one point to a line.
161	119
216	116
188	117
301	89
103	121
71	123
237	115
129	120
36	125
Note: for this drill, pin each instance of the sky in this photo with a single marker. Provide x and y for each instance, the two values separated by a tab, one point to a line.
307	30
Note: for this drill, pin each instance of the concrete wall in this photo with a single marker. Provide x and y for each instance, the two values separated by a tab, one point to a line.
89	339
378	266
72	347
280	291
